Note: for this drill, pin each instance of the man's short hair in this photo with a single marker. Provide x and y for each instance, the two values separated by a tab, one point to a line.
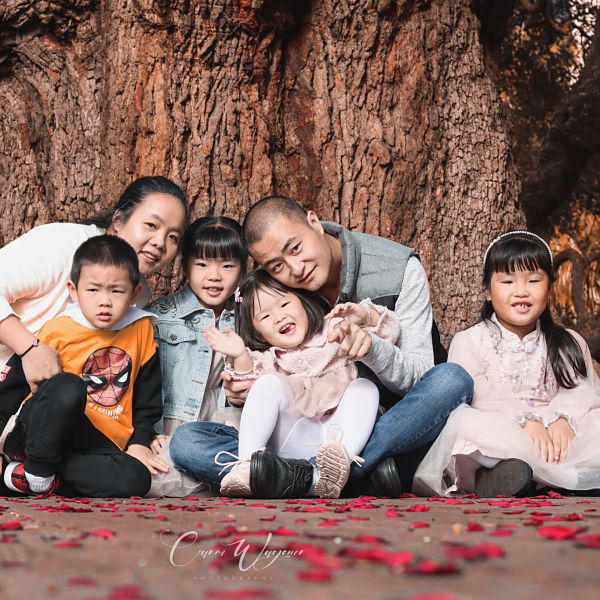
260	216
108	251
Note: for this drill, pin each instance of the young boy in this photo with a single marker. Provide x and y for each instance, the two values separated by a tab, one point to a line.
87	431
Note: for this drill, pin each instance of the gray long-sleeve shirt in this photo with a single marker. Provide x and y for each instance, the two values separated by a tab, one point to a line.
392	275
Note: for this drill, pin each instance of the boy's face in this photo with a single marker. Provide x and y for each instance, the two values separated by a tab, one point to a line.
104	294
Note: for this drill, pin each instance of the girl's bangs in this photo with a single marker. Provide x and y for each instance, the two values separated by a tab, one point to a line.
219	242
518	255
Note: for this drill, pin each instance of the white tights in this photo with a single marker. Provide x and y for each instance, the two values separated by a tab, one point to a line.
269	420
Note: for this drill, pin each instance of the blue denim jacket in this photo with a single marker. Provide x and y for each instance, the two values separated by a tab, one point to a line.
185	355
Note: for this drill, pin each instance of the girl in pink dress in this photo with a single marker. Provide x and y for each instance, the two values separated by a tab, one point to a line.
536	404
306	391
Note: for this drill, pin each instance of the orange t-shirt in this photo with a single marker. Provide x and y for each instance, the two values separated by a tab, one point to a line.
109	363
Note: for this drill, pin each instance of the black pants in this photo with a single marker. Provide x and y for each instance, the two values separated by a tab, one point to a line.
61	440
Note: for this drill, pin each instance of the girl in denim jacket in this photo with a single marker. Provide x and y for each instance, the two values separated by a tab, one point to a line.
214	259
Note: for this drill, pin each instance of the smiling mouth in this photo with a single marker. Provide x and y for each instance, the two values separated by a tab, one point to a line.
149	256
521	306
307	276
288	328
213	291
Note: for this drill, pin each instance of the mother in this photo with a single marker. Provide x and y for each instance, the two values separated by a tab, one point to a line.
34	269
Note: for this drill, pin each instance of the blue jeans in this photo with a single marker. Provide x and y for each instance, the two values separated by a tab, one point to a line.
414	422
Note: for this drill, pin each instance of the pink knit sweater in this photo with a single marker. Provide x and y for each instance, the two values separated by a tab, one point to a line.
314	374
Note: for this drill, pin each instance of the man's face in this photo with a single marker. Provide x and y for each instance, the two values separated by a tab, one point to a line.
295	252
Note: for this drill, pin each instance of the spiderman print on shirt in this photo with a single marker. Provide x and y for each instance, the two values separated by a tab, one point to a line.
107	374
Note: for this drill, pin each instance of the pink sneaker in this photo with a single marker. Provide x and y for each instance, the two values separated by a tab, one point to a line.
237	481
333	463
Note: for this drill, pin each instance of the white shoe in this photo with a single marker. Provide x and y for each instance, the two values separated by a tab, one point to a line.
333	463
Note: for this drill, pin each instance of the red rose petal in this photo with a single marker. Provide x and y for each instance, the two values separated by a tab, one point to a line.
75	543
418	508
103	533
558	532
477	552
418	524
472	526
315	575
365	538
501	532
589	541
244	593
82	580
13	525
428	566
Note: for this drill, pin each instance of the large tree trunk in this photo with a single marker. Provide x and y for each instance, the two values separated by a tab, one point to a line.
379	115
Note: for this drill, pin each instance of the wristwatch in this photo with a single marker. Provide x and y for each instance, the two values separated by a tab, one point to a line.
34	344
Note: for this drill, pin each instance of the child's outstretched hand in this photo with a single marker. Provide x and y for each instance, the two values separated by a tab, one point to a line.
226	342
539	434
351	312
354	342
562	435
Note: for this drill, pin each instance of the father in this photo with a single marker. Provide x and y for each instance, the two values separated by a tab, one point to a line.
302	252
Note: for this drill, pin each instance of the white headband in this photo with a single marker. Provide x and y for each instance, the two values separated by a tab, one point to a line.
533	235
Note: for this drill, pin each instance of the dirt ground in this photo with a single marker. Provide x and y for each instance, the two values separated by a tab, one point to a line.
216	548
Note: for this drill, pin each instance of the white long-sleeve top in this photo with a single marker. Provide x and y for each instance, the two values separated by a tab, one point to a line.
34	270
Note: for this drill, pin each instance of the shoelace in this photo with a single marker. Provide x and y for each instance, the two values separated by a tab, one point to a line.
232	463
225	465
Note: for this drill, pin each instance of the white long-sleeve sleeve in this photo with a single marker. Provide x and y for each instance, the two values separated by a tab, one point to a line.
399	366
34	270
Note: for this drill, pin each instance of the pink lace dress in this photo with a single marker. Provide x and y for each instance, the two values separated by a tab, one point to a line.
513	382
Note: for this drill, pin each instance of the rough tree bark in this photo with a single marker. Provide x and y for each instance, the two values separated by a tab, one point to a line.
377	114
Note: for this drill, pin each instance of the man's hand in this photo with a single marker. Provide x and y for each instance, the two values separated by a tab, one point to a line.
39	364
158	442
236	391
539	434
562	435
354	342
148	458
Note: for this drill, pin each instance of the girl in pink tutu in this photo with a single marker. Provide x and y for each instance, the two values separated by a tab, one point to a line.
535	414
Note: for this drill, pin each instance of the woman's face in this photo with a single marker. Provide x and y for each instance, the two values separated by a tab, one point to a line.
153	229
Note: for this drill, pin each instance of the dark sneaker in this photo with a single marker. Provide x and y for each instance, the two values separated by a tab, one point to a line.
510	477
12	440
383	480
274	477
15	480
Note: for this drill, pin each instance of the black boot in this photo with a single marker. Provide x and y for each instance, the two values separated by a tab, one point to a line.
274	477
510	477
383	480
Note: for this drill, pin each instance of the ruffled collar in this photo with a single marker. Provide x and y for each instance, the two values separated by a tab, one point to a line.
512	341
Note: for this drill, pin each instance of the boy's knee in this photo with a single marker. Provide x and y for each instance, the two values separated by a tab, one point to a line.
135	480
69	392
